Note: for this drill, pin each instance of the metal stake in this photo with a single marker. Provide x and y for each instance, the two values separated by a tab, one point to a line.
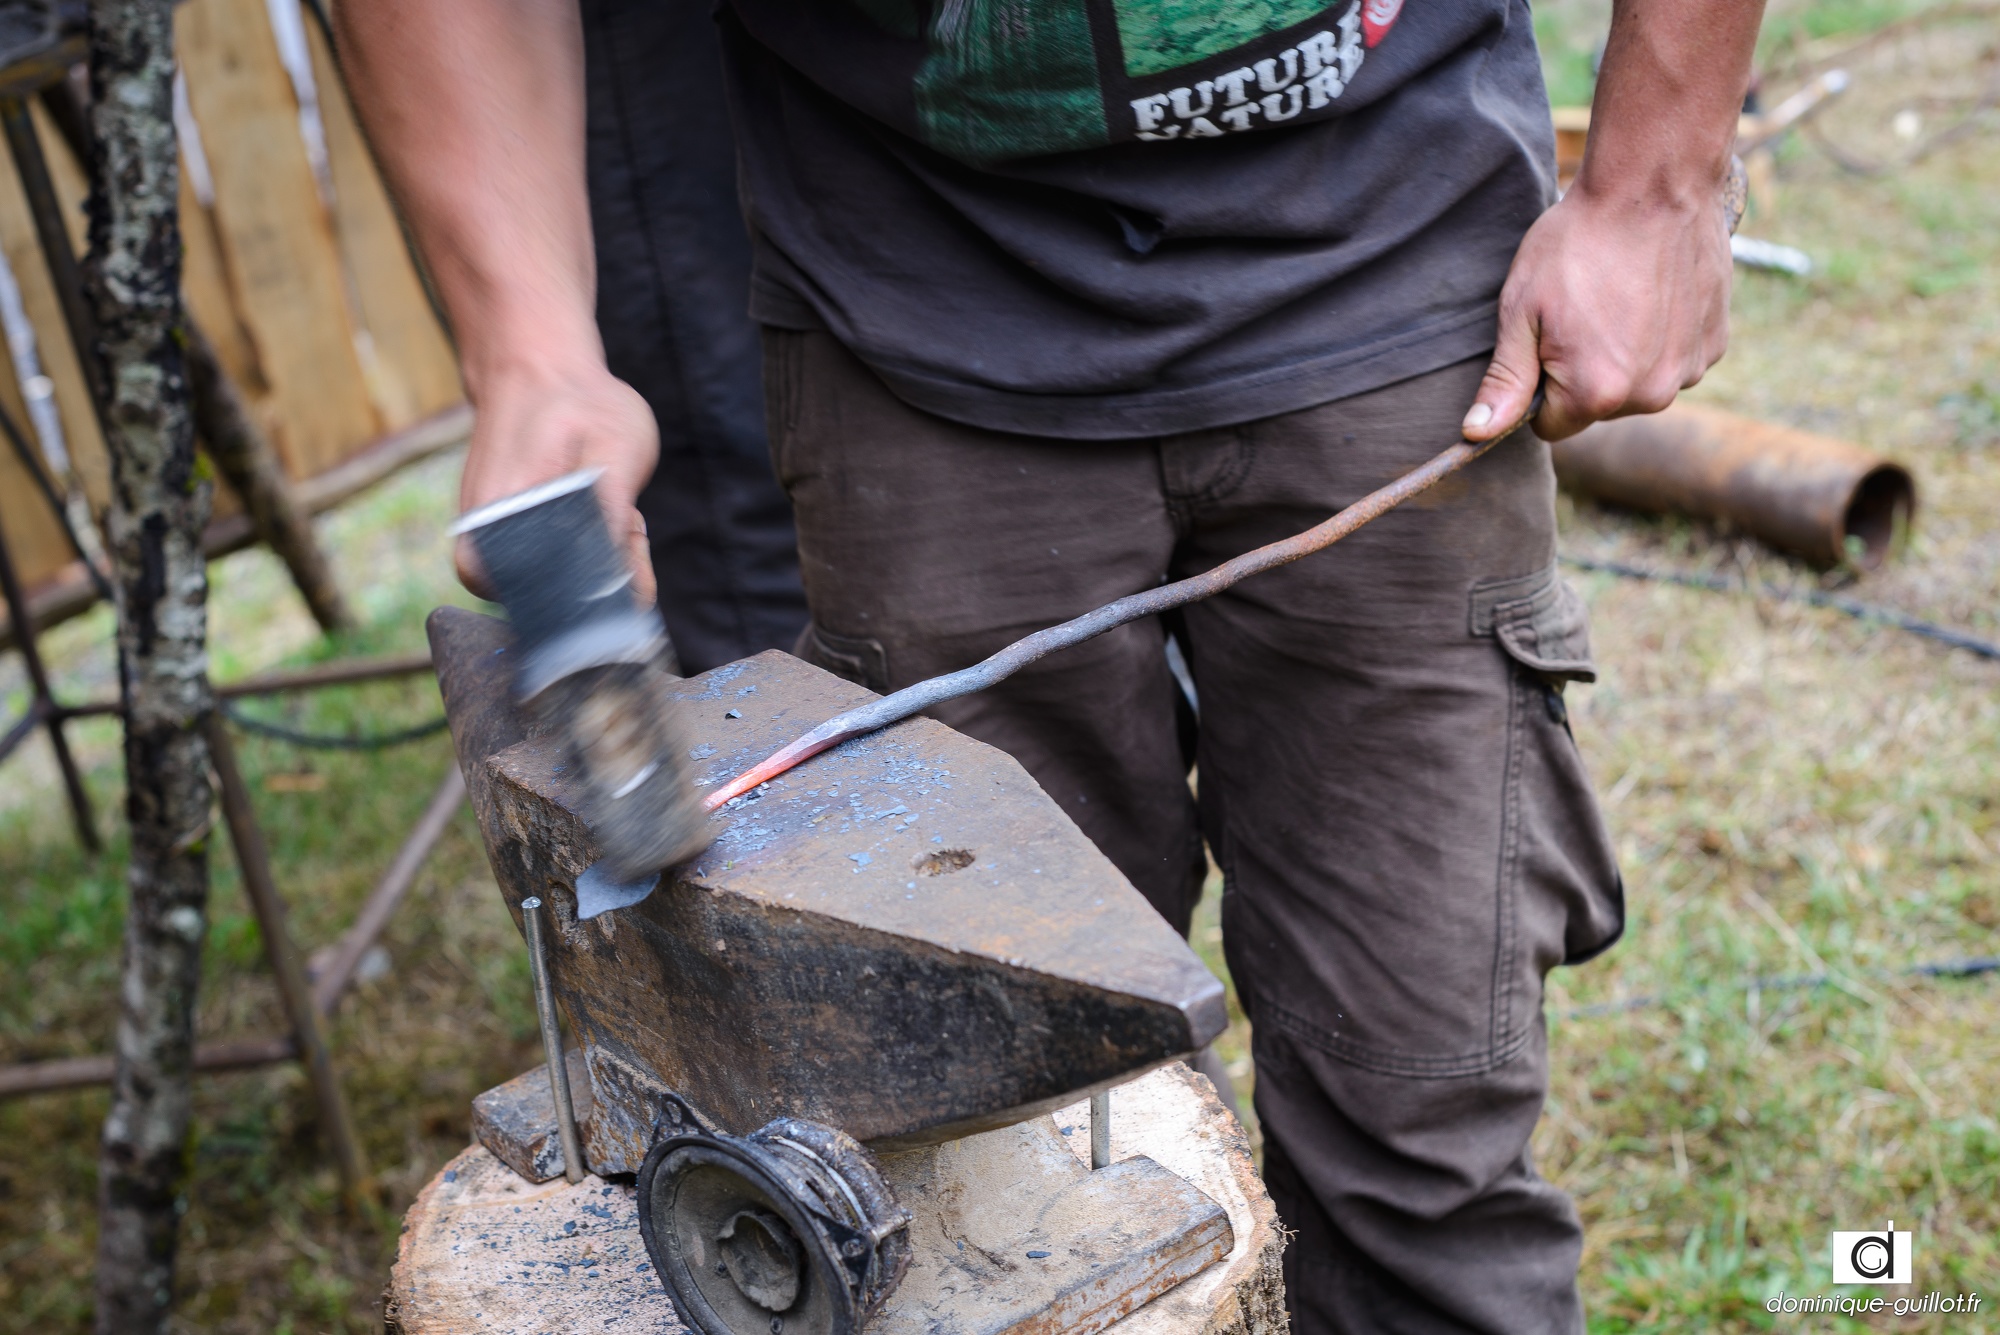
1100	1130
552	1045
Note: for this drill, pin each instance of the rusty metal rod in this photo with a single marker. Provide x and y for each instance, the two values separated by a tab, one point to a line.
24	728
915	699
45	709
341	673
253	861
45	208
389	892
69	592
552	1044
81	1072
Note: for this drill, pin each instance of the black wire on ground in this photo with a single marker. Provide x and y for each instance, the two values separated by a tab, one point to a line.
1965	968
1860	611
329	741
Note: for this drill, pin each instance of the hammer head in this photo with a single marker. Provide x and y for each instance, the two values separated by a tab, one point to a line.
594	666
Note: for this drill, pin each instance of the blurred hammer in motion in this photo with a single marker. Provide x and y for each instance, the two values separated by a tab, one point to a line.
594	664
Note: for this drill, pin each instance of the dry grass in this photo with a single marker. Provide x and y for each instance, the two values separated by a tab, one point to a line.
1793	794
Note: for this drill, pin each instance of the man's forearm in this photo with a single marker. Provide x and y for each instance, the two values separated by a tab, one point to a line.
1668	93
476	111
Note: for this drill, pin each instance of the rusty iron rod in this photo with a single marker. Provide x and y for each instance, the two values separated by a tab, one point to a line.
81	1072
344	672
45	208
925	694
253	861
389	892
1100	1130
552	1043
341	673
69	592
24	728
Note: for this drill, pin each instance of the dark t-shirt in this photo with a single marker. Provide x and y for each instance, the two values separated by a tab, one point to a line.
1110	218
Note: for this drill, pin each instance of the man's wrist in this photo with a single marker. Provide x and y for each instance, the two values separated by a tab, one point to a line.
529	353
1674	189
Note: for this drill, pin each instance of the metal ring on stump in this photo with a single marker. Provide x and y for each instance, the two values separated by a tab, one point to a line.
788	1231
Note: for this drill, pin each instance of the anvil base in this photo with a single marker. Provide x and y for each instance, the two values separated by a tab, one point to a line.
1011	1232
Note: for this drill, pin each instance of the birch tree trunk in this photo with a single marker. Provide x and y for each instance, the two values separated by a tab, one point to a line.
159	503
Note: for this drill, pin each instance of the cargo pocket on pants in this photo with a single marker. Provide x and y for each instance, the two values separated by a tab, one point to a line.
861	661
1569	899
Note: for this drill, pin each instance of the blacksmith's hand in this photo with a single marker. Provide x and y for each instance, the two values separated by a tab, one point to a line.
535	424
1619	307
1618	298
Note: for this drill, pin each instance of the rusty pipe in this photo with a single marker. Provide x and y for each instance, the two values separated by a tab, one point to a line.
1824	499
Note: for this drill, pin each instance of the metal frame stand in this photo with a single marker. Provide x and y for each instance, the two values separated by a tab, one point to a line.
254	862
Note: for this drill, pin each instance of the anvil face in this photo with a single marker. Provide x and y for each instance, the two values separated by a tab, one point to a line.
904	937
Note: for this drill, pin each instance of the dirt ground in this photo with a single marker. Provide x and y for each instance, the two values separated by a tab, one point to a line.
1806	807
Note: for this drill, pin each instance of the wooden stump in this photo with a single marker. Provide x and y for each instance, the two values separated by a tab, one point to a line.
485	1252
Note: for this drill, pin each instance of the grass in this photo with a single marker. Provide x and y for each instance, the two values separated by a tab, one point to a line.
265	1246
1793	794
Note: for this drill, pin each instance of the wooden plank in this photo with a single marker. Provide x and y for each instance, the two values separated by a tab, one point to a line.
277	241
52	341
415	372
211	302
72	183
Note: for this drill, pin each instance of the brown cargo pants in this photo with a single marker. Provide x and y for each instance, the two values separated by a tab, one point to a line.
1386	774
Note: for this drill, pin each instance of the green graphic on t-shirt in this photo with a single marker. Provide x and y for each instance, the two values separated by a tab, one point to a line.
1160	35
1010	78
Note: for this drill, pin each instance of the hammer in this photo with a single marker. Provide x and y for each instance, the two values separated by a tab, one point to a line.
594	665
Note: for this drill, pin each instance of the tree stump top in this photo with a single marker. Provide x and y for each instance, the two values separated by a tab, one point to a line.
485	1251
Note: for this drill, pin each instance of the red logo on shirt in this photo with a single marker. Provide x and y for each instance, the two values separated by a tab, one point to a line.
1377	17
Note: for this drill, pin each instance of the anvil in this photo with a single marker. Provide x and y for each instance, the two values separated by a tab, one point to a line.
902	942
